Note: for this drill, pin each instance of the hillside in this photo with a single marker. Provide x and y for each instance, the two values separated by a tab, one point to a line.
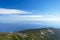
33	34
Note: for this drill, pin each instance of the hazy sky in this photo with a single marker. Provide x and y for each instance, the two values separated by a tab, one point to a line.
29	10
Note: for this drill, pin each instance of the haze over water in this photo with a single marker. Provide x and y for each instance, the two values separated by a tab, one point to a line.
18	15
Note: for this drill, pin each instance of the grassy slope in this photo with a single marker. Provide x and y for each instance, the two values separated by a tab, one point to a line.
33	34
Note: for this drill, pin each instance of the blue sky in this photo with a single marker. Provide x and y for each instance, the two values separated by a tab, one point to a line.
29	5
24	14
29	10
36	6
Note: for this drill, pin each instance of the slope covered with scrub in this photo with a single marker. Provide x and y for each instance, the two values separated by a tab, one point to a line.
32	34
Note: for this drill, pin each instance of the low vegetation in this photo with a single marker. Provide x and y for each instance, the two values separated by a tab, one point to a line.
32	34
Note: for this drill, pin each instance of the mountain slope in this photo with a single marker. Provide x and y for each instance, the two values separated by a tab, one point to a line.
33	34
41	34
